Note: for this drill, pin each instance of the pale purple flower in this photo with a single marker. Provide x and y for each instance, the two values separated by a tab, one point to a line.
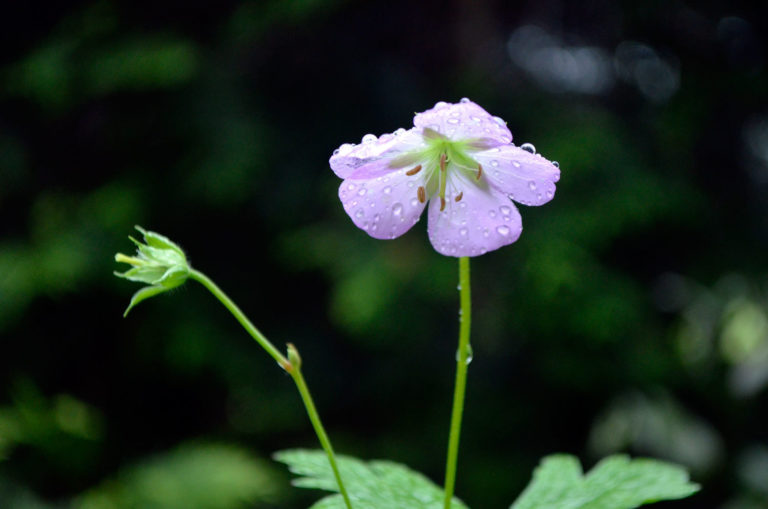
458	158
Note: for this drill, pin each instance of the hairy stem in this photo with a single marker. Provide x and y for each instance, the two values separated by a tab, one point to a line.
462	362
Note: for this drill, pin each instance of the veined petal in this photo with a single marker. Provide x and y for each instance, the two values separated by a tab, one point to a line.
386	206
483	219
464	121
527	178
372	157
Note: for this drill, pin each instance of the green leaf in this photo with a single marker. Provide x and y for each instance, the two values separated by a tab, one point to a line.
371	485
193	476
615	483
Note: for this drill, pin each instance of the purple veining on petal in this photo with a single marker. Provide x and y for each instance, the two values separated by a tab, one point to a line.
462	121
370	157
527	178
483	220
386	206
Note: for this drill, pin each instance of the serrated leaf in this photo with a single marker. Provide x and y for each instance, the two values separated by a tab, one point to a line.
371	485
617	482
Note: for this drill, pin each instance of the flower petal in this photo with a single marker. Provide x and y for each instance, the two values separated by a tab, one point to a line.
527	178
372	156
386	206
463	121
483	220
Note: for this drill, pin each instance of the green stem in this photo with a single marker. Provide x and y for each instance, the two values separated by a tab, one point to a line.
462	362
292	366
318	425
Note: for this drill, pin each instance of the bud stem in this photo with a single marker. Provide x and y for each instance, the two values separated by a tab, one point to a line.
291	364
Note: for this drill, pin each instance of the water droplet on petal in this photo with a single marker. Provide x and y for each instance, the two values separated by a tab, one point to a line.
362	191
463	232
397	209
414	202
494	163
365	225
500	121
400	131
486	233
351	187
464	100
376	218
359	214
515	164
387	190
492	213
505	210
336	152
532	185
453	121
528	147
369	138
555	164
502	230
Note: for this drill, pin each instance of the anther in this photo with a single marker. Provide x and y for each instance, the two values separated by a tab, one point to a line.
442	204
479	171
413	171
443	160
422	194
459	196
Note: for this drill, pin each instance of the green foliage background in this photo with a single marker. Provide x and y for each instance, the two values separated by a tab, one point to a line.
630	317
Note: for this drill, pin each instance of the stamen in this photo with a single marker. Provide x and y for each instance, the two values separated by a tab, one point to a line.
479	171
442	204
459	196
422	194
443	160
413	171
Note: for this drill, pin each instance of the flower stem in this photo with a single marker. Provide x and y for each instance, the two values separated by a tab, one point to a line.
462	362
292	368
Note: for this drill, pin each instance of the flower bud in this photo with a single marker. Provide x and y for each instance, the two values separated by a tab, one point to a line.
159	263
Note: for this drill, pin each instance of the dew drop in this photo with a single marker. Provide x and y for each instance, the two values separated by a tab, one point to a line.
336	152
362	191
555	164
463	232
351	187
359	214
492	213
499	121
369	138
515	164
376	218
399	132
414	202
502	230
528	147
374	227
550	194
532	185
486	233
505	210
464	100
397	209
468	359
494	163
453	121
387	190
365	226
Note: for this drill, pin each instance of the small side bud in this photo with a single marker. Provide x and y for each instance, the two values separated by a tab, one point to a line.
293	357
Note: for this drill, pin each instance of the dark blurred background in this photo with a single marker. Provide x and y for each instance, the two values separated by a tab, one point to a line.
631	316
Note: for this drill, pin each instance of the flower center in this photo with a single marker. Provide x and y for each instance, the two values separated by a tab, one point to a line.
443	155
